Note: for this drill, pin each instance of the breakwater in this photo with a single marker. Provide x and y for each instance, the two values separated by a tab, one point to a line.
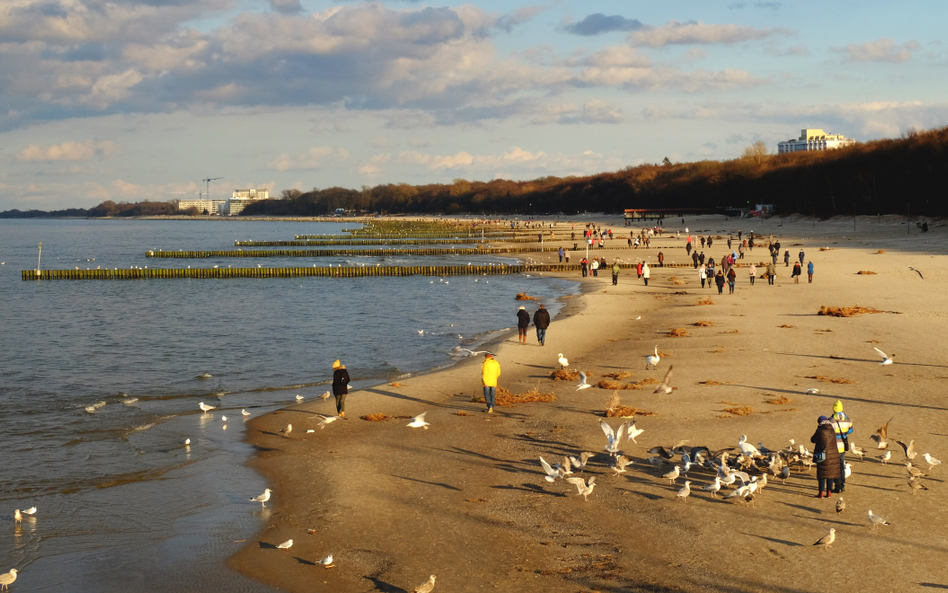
365	252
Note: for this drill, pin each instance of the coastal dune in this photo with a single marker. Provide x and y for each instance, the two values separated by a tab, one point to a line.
466	501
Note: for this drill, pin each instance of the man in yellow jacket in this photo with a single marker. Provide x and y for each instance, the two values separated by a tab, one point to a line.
490	370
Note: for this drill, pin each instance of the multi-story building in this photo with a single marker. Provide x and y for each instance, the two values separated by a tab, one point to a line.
212	207
243	198
814	139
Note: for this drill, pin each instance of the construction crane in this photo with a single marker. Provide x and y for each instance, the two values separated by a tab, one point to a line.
208	182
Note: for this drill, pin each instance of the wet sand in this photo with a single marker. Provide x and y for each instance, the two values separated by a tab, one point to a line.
466	500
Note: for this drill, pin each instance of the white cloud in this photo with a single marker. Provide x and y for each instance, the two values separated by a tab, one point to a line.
694	33
316	157
592	112
881	50
67	151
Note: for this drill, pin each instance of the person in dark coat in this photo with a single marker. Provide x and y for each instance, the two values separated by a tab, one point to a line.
340	386
541	319
523	322
828	470
719	280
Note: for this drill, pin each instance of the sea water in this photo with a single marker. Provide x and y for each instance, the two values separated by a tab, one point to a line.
100	385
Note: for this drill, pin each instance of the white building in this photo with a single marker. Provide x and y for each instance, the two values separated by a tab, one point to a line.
243	198
814	139
213	207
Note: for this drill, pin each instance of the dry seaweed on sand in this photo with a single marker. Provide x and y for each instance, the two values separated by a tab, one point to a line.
779	401
638	386
620	375
846	311
462	413
733	331
676	280
615	409
564	375
375	417
740	411
395	384
713	382
787	326
505	398
880	251
678	333
866	273
522	296
703	323
826	379
704	301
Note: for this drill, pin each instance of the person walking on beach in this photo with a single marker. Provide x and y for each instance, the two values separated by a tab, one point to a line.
560	253
809	273
786	258
796	273
638	270
731	278
753	273
541	319
523	322
490	370
719	281
594	266
661	259
694	258
843	427
771	273
582	266
645	272
709	241
566	255
340	386
688	247
802	255
703	275
826	455
615	273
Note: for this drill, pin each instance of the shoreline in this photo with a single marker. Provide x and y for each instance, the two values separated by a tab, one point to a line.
388	501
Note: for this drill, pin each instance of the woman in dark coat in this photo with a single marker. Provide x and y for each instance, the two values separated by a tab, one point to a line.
523	322
827	471
719	280
340	387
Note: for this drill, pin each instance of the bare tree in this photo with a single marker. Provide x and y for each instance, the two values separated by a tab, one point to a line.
756	152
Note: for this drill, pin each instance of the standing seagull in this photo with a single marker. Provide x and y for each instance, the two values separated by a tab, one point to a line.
827	540
206	408
915	484
419	421
582	382
7	578
673	474
886	359
665	386
263	498
877	520
841	506
562	360
327	561
652	361
286	545
932	462
286	431
427	586
684	492
584	488
713	487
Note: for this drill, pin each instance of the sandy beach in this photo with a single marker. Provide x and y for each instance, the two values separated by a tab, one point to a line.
466	500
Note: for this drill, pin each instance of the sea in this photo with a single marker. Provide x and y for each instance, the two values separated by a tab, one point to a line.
100	383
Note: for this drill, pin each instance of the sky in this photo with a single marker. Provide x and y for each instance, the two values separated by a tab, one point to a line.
129	100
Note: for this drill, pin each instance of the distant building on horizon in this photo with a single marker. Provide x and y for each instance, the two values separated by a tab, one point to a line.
814	139
212	207
245	197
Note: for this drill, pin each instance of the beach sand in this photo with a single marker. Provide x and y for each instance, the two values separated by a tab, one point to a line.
465	500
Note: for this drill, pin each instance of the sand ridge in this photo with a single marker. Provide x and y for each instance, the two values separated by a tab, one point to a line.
466	500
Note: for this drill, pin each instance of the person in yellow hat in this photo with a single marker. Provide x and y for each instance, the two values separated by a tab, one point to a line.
490	370
843	427
340	386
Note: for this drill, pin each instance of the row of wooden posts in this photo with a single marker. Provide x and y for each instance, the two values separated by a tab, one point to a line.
299	272
361	252
324	242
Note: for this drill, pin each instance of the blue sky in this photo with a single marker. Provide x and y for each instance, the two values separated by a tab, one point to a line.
126	100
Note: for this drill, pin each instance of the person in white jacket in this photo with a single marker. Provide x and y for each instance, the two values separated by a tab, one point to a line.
594	266
703	274
645	273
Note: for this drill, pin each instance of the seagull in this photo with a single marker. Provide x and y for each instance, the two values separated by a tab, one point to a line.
909	449
580	463
746	449
7	578
785	473
882	432
562	360
665	386
326	420
841	506
812	391
327	561
620	464
633	432
877	520
916	484
205	376
421	332
917	272
827	540
914	471
582	382
187	442
583	487
427	586
299	398
857	451
551	473
886	457
652	361
17	517
419	421
286	431
206	408
684	492
223	418
325	395
886	359
263	498
245	412
673	474
614	438
932	462
713	487
286	545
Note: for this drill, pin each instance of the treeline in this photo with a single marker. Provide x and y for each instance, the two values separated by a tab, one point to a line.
901	175
878	177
